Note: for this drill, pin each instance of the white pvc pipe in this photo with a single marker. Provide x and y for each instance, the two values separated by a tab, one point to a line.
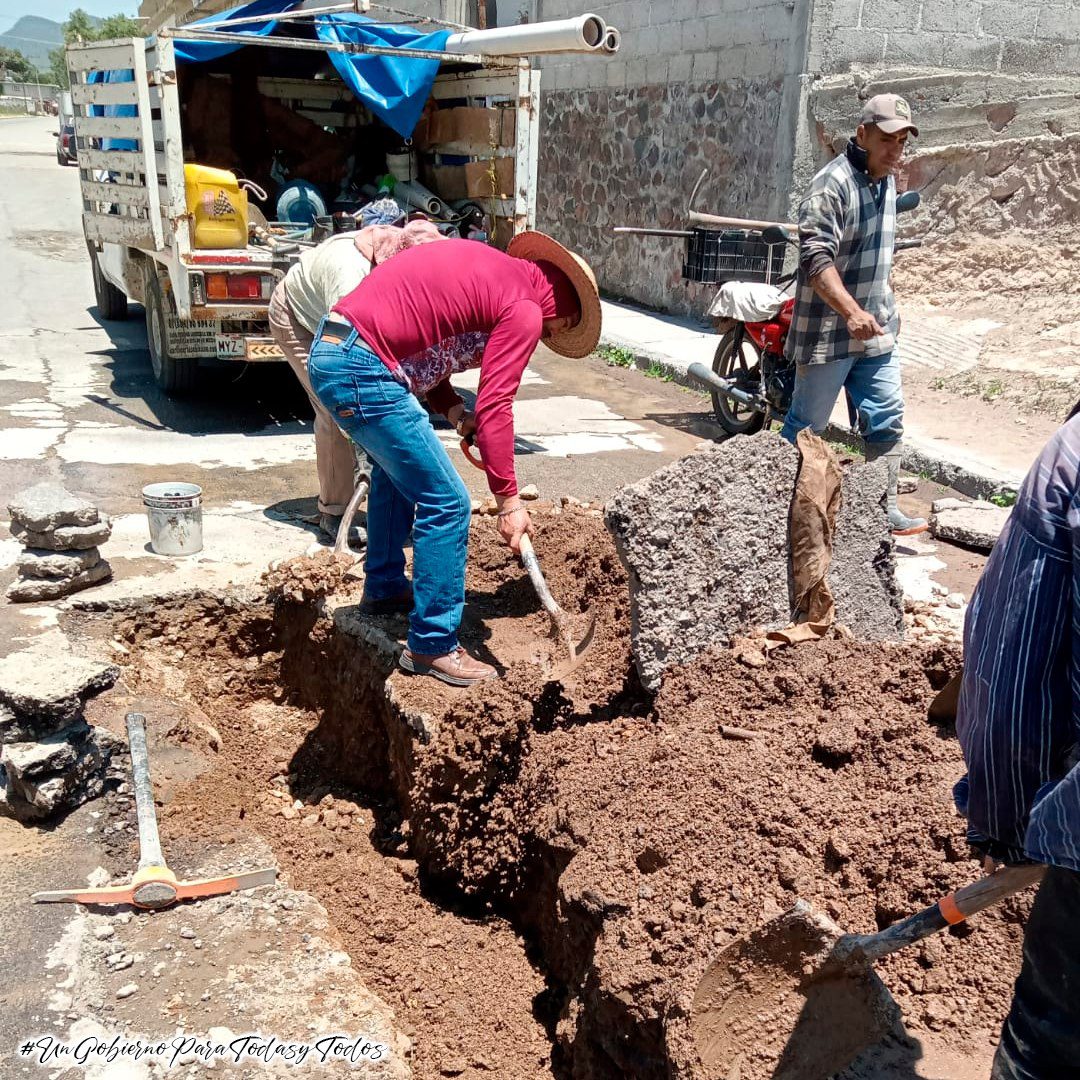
586	33
415	194
612	40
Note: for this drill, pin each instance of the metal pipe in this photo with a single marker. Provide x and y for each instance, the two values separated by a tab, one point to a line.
408	16
193	33
631	230
723	386
282	16
585	34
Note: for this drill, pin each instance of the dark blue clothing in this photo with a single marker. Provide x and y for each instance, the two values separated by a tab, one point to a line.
1040	1039
1018	717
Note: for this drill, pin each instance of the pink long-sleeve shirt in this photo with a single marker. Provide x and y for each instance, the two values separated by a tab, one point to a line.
428	294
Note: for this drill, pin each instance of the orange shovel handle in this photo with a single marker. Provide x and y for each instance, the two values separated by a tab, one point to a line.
467	450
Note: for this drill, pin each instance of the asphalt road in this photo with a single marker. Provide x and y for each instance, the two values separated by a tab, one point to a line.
78	404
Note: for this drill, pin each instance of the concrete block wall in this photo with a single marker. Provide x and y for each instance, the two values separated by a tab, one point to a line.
681	41
697	84
1039	36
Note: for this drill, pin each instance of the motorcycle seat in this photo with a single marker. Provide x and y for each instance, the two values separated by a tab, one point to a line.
747	301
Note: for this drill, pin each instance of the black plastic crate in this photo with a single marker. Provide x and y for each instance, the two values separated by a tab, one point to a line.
713	257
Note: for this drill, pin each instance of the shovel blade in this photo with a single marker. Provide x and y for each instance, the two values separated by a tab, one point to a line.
766	1010
576	649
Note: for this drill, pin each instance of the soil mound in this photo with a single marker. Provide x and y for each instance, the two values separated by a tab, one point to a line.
625	837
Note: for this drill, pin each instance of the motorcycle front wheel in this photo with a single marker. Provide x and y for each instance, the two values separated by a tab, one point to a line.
738	359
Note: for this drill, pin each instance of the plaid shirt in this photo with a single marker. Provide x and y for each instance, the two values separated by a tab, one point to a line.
1018	718
852	221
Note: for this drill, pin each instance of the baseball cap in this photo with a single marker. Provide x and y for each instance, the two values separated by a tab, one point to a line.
890	112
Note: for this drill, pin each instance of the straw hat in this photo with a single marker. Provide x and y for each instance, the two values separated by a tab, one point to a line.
579	340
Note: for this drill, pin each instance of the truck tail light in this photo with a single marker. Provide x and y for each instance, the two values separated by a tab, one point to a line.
237	286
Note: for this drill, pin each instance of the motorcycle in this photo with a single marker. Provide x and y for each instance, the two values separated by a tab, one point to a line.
752	381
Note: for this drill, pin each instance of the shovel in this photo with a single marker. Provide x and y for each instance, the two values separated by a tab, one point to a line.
797	998
561	622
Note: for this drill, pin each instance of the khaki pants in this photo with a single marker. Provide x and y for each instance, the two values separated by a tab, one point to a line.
334	457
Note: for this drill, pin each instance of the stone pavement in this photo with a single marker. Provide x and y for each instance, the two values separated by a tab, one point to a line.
937	444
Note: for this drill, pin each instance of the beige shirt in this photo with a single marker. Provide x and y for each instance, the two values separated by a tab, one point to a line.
322	276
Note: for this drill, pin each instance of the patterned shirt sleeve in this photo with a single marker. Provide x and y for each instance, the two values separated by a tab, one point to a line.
821	227
1018	718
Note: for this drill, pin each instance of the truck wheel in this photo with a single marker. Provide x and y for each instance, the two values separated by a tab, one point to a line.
112	304
175	375
740	361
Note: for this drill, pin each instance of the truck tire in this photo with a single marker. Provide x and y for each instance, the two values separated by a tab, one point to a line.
175	375
112	304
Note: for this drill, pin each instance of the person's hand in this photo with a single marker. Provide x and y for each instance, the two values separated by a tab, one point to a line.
514	523
862	326
466	426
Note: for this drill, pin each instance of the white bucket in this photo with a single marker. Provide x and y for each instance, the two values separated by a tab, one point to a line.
175	513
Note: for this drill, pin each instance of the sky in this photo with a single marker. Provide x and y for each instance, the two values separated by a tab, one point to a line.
58	10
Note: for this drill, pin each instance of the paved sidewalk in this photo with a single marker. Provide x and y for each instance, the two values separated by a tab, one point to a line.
971	461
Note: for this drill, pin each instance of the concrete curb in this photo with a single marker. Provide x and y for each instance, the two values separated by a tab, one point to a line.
918	460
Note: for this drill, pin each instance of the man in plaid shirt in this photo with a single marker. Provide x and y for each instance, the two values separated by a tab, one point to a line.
844	326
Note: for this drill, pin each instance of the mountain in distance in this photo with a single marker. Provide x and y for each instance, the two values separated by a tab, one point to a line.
35	38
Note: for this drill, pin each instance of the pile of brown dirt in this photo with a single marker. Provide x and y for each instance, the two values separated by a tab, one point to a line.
628	840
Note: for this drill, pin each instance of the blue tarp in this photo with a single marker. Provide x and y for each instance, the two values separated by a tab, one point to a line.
394	88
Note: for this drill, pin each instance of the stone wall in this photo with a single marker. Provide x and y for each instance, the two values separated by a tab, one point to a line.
630	156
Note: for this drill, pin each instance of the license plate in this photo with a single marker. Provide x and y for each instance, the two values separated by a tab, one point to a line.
191	338
230	345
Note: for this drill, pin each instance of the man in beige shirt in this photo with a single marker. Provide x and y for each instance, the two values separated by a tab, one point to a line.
316	282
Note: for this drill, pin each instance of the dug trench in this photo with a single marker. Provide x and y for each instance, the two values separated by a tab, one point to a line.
536	876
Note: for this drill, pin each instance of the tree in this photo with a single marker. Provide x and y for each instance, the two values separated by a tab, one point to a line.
80	27
16	66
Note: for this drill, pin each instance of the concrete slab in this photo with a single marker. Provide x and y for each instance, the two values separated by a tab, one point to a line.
44	506
977	524
706	543
46	687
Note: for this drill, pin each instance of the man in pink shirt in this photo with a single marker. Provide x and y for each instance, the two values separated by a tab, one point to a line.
365	368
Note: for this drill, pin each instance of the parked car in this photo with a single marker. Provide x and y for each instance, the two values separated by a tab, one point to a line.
65	145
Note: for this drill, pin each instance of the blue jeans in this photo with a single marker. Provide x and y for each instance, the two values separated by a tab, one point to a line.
413	485
873	384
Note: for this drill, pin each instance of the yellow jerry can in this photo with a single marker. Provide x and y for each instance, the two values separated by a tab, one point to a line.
218	207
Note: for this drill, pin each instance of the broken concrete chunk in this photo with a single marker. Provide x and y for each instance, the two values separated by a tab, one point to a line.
709	535
44	689
64	537
975	524
862	575
26	590
38	796
57	565
53	753
43	507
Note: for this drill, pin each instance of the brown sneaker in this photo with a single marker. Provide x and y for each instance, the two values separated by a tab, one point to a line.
457	668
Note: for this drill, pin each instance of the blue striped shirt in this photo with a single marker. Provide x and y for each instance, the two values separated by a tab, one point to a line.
1018	717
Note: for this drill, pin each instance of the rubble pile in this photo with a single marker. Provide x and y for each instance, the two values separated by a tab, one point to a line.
51	759
61	533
